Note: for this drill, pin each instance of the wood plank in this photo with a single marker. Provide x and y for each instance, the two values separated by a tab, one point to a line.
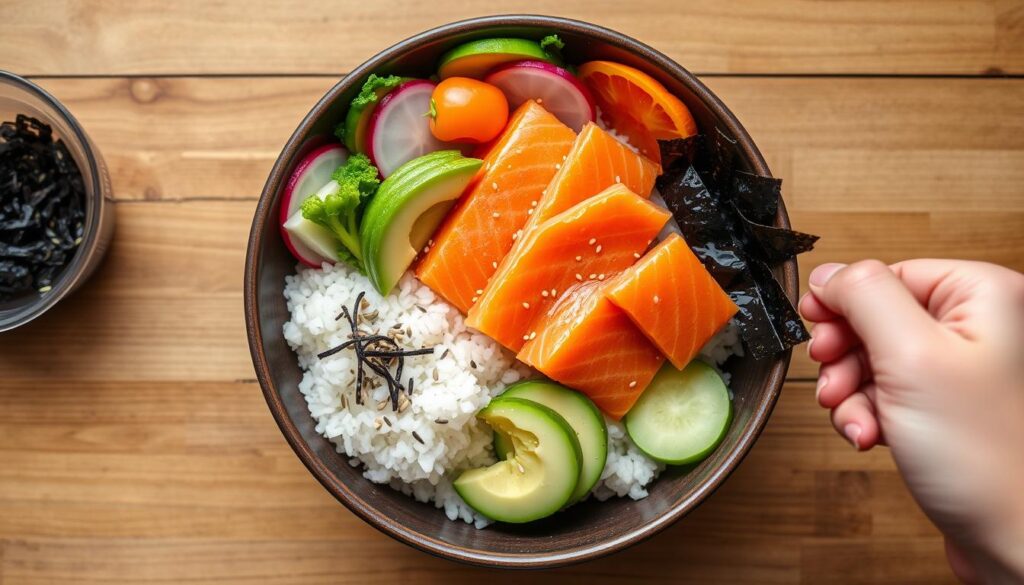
968	180
379	562
180	138
873	560
165	305
188	138
89	37
118	506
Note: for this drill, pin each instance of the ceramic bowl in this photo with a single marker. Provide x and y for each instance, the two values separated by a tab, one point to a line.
587	530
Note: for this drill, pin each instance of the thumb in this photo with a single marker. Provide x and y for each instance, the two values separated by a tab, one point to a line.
875	302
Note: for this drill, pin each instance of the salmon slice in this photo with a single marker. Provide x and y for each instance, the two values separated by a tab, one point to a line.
592	241
597	160
589	344
479	231
673	299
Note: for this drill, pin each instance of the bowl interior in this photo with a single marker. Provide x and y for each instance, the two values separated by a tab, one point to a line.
585	530
18	96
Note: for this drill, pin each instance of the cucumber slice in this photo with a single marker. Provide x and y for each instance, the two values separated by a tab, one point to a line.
475	58
541	475
682	415
581	414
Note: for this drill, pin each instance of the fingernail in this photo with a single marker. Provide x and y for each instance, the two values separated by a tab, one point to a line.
852	432
822	382
822	274
809	343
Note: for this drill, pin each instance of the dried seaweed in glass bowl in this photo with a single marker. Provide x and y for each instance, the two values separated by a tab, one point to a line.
42	207
726	216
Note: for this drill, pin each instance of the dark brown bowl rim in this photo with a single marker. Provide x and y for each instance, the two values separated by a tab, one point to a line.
351	500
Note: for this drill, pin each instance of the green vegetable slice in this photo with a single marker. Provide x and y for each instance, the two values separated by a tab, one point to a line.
475	58
539	478
583	417
682	416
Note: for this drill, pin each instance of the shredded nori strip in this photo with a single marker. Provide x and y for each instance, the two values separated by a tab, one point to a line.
727	216
42	207
370	354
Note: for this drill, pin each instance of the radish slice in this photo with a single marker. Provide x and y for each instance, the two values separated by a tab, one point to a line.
308	178
554	88
400	129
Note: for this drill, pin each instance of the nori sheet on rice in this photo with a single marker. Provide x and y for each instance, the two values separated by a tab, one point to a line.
727	216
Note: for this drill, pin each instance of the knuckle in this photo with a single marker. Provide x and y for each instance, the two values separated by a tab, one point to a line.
1016	284
863	273
999	282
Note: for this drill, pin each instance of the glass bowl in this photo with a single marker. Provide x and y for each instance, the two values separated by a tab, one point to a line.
21	96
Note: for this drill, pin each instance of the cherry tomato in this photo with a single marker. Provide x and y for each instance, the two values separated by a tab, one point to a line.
467	110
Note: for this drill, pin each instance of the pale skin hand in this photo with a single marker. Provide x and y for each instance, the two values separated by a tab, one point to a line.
927	357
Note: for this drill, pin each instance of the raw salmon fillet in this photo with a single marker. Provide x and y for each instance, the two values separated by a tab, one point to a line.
479	231
594	240
589	344
597	160
673	299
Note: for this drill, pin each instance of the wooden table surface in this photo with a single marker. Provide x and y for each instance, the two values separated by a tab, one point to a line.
135	445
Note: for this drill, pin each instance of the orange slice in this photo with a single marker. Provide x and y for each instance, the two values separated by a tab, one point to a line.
637	105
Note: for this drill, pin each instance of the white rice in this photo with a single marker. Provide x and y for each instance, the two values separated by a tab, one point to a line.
446	388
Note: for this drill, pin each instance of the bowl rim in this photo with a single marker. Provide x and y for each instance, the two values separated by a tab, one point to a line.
71	275
376	518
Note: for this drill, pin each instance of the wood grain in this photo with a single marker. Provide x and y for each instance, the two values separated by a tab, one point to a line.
90	37
165	305
124	482
841	144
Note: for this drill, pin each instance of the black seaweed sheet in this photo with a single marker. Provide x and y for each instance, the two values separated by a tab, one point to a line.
42	207
774	243
757	197
725	216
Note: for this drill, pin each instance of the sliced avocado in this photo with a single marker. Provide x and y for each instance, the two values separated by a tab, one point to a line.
475	58
583	417
408	207
539	478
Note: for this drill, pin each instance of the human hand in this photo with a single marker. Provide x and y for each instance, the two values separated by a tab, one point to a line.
927	356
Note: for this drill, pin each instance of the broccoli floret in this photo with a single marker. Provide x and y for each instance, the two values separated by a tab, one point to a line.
353	184
552	43
368	94
359	172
